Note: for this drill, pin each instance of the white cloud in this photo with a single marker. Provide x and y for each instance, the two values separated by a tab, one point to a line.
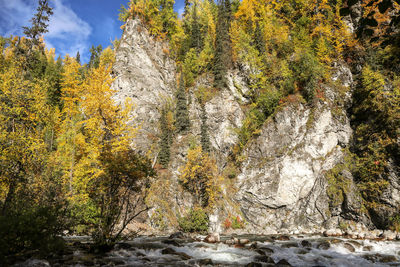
67	32
13	15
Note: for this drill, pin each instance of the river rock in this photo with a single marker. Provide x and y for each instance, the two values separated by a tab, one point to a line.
244	241
389	235
367	248
324	245
330	232
283	238
205	262
290	245
355	243
263	258
283	262
349	247
380	258
254	264
306	243
179	235
171	242
35	263
212	238
370	235
168	251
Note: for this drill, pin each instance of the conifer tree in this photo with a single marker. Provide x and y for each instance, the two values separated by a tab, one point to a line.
187	4
95	56
78	57
182	113
196	38
164	144
259	41
223	58
205	139
167	16
39	22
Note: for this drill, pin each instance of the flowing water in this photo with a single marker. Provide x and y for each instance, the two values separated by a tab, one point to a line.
260	251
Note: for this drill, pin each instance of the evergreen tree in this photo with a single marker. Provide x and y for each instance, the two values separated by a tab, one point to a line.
182	113
205	139
223	58
39	22
53	75
167	15
187	4
95	56
164	144
259	41
196	36
78	57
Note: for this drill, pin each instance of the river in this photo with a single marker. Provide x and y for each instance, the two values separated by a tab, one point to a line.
257	251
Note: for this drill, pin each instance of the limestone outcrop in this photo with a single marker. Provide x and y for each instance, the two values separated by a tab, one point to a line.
282	182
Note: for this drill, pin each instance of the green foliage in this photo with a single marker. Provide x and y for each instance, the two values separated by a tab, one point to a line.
200	177
195	221
123	14
237	223
258	113
190	67
205	138
338	184
157	15
95	53
182	113
39	22
196	41
165	139
395	223
375	120
158	220
222	60
306	72
116	193
33	228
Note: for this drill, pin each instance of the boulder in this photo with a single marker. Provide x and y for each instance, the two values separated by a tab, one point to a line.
212	238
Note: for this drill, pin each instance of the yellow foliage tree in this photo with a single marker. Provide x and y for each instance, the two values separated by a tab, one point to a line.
200	177
23	120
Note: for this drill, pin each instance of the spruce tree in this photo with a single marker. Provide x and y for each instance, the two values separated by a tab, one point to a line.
205	139
78	57
187	4
39	22
94	61
164	144
196	37
259	41
182	113
223	58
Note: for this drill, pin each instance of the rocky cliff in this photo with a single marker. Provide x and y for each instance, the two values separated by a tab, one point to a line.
283	180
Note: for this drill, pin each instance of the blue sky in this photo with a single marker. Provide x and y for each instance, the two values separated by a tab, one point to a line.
76	25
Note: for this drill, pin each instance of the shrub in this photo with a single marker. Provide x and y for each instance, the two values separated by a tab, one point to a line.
34	229
237	223
395	223
227	223
195	221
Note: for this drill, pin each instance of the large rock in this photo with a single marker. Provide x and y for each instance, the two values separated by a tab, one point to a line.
143	72
282	184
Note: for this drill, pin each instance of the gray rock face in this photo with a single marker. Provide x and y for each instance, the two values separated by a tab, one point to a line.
145	74
282	182
224	115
